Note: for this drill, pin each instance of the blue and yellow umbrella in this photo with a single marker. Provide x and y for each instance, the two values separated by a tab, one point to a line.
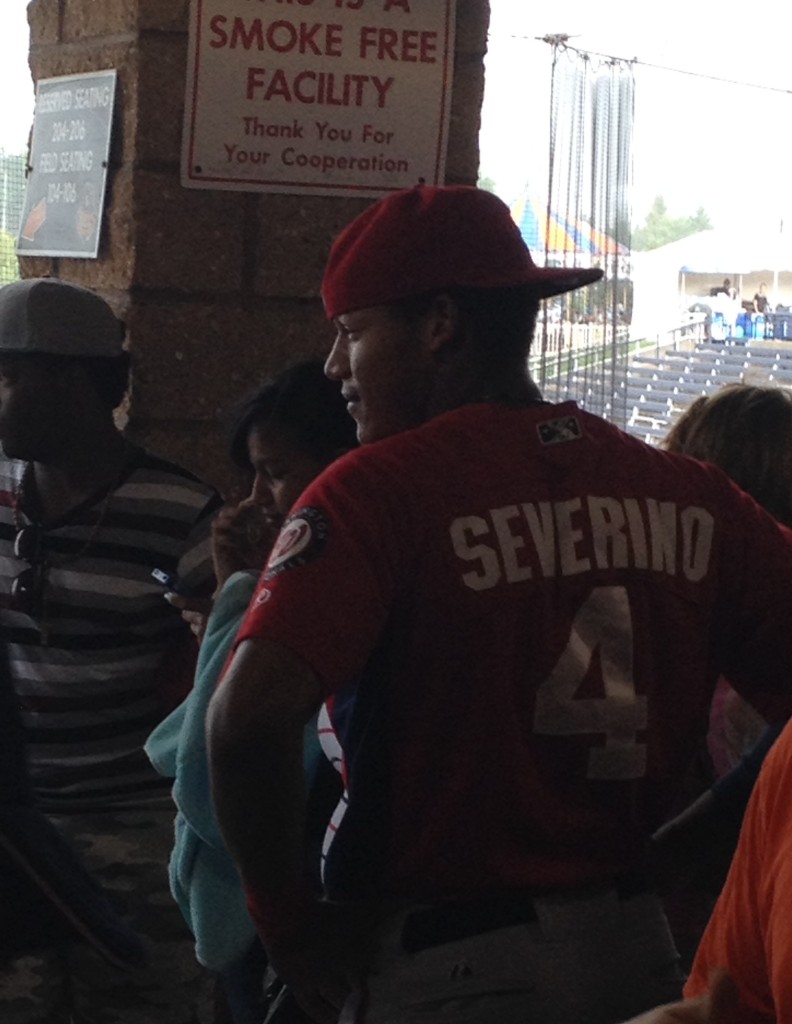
560	235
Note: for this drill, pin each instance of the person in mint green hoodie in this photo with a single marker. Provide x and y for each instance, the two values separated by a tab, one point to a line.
284	433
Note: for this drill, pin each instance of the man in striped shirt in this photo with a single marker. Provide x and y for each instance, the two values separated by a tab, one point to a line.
95	650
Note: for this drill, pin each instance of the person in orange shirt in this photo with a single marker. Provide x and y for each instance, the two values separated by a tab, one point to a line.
741	973
750	931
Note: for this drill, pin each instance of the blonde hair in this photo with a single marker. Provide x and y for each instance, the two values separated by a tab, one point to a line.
746	430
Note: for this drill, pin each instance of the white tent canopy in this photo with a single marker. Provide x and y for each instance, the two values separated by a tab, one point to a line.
668	279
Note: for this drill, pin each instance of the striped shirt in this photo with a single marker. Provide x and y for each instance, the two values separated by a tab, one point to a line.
88	662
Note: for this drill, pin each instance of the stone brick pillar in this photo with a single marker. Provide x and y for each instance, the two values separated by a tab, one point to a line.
218	289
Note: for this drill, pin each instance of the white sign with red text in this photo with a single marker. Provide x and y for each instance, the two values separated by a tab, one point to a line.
324	97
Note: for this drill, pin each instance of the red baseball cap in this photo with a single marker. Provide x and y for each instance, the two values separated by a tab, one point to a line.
431	237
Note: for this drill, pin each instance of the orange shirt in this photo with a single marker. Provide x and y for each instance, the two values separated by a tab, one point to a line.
750	931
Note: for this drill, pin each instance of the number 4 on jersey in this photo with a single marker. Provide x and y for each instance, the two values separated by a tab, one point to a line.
603	624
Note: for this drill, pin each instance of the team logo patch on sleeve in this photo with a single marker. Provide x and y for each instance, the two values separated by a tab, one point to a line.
301	540
567	428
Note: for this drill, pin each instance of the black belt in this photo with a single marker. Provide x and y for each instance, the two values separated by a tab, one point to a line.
453	920
461	919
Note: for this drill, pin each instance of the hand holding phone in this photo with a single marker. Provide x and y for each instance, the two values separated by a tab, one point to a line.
194	610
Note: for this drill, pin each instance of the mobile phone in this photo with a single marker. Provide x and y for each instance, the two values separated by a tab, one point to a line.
167	579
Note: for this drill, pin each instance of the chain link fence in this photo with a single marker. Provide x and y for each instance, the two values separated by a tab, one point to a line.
12	194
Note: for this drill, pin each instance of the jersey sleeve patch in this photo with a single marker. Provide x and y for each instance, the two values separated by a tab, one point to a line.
301	540
557	431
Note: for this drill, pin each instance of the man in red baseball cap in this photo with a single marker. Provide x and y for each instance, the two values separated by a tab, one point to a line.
517	614
404	253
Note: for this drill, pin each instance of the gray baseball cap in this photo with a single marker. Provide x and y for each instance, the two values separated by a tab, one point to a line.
43	314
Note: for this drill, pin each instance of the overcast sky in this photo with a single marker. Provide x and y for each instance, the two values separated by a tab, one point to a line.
697	142
16	86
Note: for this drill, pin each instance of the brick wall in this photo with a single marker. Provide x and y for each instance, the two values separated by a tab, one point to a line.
218	289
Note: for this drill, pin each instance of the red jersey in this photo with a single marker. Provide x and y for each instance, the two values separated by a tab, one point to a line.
524	613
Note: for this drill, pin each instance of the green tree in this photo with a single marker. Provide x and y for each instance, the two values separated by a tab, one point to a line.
9	265
660	227
487	184
12	190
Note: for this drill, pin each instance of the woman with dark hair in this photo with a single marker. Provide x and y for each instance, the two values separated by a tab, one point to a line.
285	433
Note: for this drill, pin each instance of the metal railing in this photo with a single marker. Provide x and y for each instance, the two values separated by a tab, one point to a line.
585	367
585	363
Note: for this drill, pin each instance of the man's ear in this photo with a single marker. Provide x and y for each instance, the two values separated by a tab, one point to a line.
442	323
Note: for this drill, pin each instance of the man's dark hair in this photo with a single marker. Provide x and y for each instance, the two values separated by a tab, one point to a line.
108	375
302	401
499	320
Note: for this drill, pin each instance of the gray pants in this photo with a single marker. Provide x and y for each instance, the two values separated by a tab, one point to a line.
593	960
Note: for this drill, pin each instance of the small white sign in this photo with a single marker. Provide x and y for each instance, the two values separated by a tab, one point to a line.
324	97
69	151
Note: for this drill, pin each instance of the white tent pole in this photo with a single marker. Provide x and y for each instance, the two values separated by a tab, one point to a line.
776	262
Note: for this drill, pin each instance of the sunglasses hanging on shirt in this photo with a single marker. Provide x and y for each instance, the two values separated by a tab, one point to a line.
27	589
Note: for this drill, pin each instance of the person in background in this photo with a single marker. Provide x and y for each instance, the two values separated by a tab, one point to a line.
746	430
96	655
284	434
534	608
761	303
